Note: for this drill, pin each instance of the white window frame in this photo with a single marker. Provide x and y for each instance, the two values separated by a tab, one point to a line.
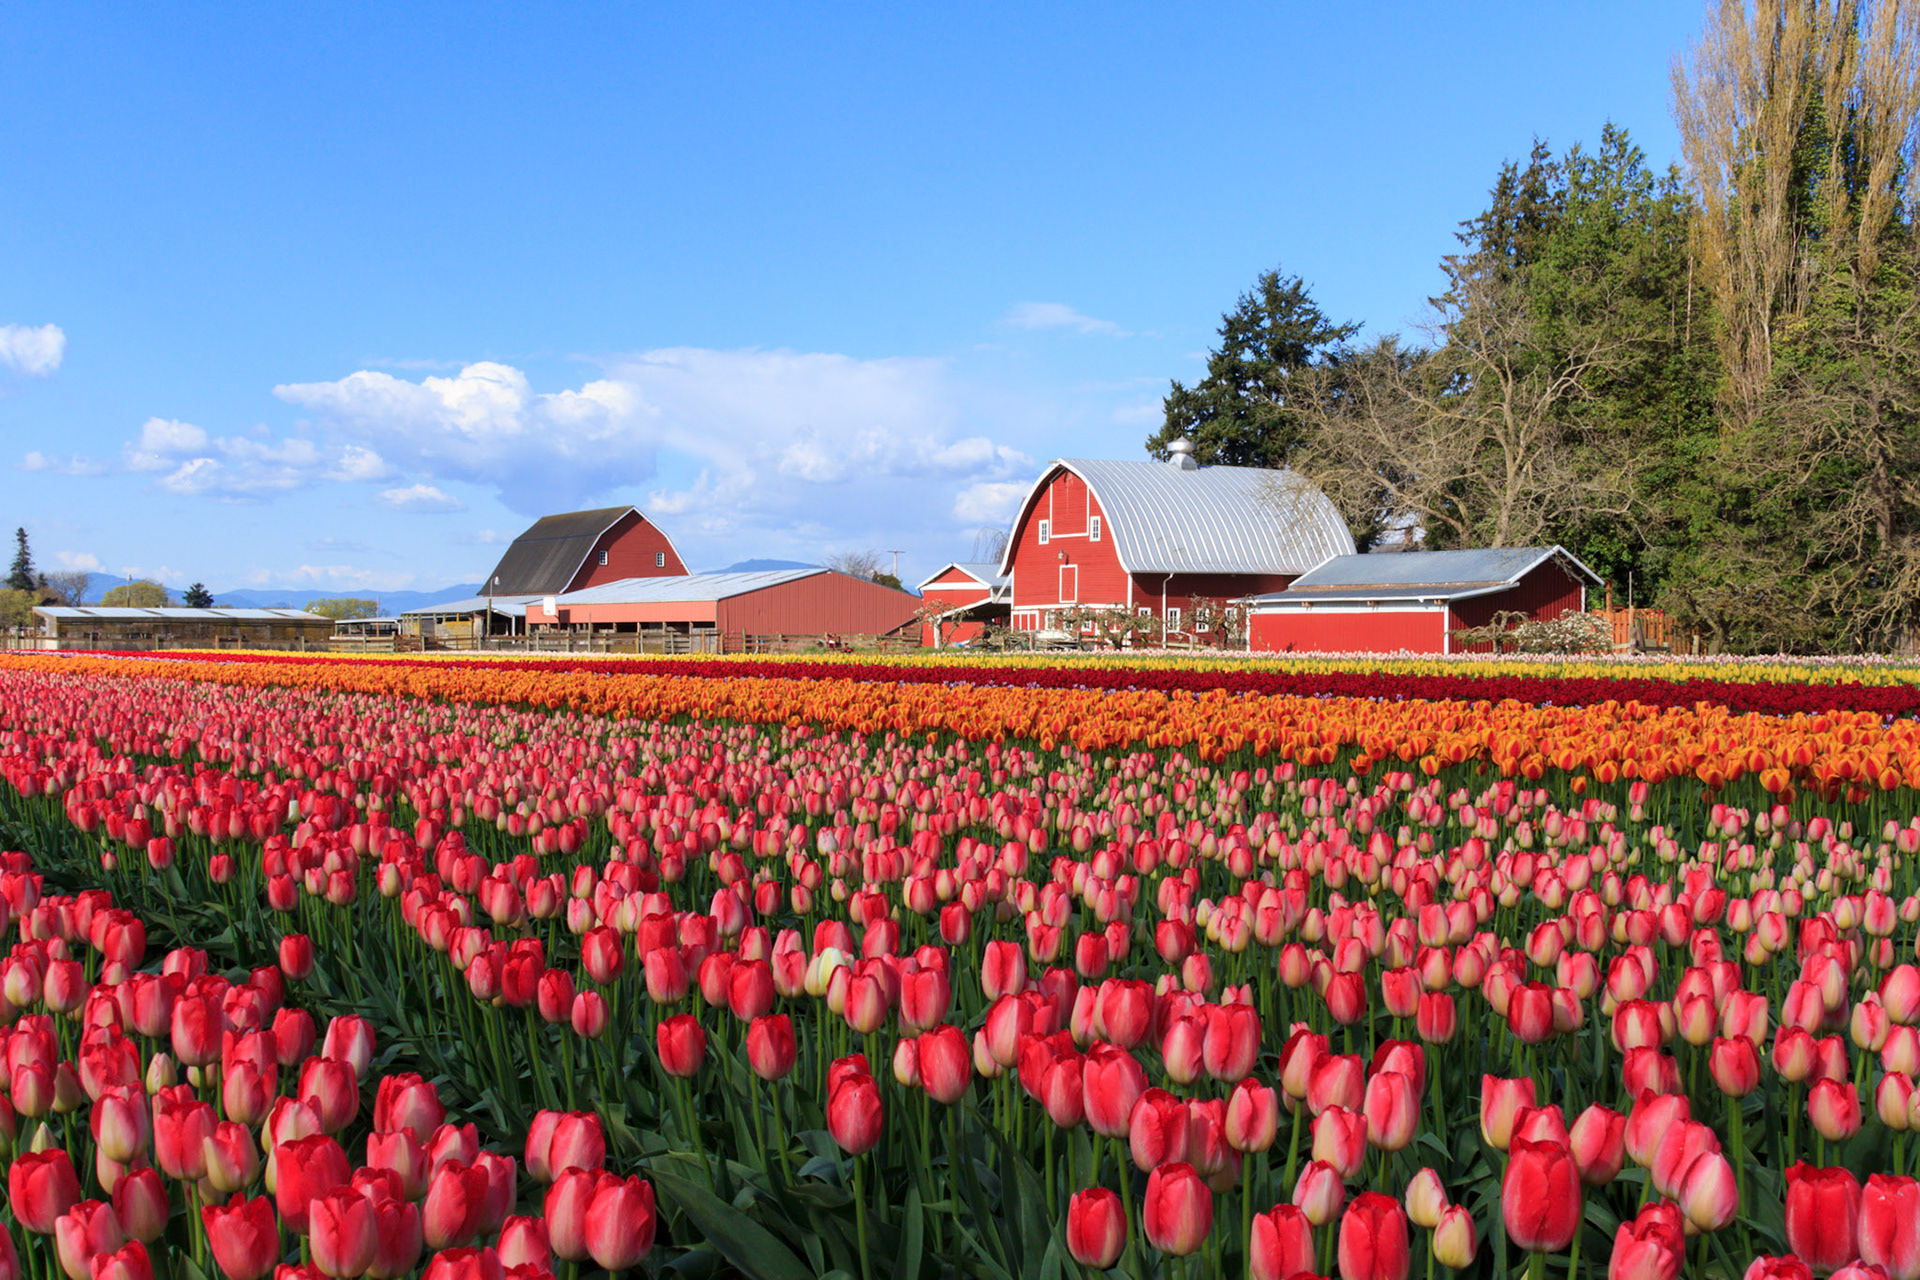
659	559
1093	528
1061	585
1046	532
1173	619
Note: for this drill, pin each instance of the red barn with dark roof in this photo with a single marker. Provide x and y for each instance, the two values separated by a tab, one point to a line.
580	549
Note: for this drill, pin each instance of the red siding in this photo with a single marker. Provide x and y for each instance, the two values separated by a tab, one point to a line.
631	546
1099	578
953	588
824	604
1374	631
1543	595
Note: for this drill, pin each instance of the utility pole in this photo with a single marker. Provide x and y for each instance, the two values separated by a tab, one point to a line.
896	563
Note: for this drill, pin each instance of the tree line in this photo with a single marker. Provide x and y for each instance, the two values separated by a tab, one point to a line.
1703	379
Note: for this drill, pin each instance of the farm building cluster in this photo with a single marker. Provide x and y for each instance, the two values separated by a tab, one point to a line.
1105	551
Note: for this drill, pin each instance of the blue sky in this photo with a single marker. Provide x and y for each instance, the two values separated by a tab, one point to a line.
339	297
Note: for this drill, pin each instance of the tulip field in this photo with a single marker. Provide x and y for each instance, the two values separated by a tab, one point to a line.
703	968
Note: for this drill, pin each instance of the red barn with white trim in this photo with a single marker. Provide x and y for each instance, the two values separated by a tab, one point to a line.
973	595
582	549
1154	537
1413	601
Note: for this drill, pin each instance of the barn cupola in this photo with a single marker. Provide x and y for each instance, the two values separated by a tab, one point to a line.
1180	455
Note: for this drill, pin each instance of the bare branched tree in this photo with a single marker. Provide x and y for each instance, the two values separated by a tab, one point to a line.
855	564
68	587
1796	120
1478	440
989	544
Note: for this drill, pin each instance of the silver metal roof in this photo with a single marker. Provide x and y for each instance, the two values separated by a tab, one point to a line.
984	572
691	587
1422	575
473	604
81	613
1166	519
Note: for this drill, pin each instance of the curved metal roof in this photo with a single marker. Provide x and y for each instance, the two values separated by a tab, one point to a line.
1166	519
1422	575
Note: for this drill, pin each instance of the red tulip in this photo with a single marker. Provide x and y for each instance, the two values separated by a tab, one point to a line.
1319	1192
91	1227
1124	1011
1598	1141
1232	1041
1650	1247
1823	1215
140	1202
1373	1239
1834	1108
1787	1268
1346	997
523	1243
405	1155
1436	1020
565	1208
41	1185
1003	969
1540	1196
1648	1122
349	1039
344	1232
1530	1013
229	1156
946	1064
304	1170
481	1263
1735	1064
1096	1228
1178	1212
1392	1111
456	1201
405	1101
296	956
198	1022
620	1222
1340	1139
771	1048
334	1090
1683	1144
1709	1194
1282	1244
682	1043
854	1115
1889	1226
1157	1130
128	1262
1253	1117
1500	1102
244	1236
1336	1080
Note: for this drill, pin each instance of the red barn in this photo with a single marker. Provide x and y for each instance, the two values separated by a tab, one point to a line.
974	595
1413	601
1153	537
583	549
721	611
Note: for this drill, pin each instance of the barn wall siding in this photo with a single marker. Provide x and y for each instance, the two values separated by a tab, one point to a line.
1542	595
631	546
824	604
1371	631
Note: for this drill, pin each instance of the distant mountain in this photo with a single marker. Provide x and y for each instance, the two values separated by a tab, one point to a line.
763	566
391	602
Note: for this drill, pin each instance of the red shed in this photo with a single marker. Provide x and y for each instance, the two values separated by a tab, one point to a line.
584	549
1153	537
1413	601
730	606
974	595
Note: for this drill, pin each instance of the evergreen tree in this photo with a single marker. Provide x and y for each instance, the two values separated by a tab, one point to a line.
198	597
1238	414
21	576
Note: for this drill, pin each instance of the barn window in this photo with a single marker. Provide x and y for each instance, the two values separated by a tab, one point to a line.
659	559
603	557
1173	619
1046	532
1093	529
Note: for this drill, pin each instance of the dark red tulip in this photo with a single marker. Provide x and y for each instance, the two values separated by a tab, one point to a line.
1823	1216
1540	1196
771	1047
1096	1228
244	1235
1373	1239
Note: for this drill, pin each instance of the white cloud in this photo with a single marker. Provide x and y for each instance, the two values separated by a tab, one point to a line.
33	353
989	502
79	561
1058	315
78	464
420	497
192	463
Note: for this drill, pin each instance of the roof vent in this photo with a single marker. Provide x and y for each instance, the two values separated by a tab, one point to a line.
1180	455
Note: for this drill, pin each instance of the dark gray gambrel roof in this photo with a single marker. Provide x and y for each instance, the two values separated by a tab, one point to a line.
544	559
